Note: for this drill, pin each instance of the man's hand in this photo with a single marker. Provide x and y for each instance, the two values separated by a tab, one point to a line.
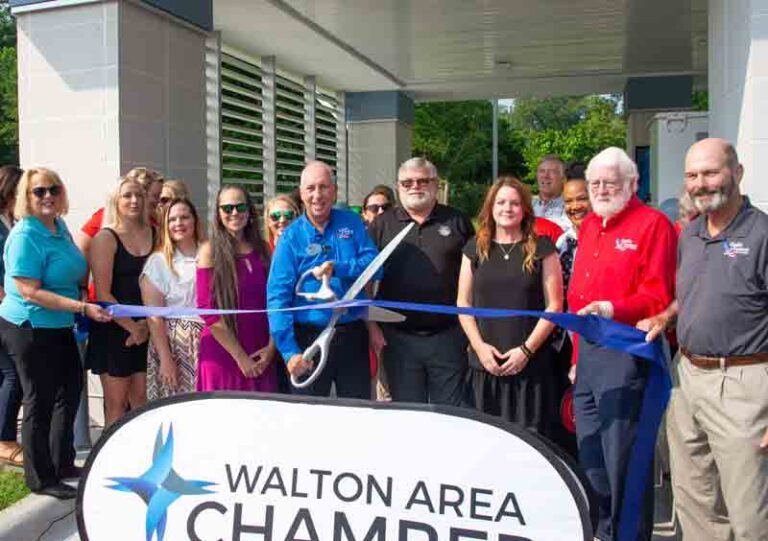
764	442
298	366
598	308
572	374
326	269
654	325
376	337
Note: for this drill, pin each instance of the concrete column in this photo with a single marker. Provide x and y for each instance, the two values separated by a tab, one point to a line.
379	139
107	86
738	86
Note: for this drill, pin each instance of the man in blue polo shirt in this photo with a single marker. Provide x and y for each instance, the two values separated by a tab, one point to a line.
329	242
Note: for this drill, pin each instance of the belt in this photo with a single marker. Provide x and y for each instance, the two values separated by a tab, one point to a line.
711	363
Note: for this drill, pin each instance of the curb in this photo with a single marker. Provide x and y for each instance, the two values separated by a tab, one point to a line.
28	519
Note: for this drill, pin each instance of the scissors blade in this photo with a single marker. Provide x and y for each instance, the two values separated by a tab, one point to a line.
382	315
365	277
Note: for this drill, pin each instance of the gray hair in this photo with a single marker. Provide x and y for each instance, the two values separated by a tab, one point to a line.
552	158
417	163
613	157
317	163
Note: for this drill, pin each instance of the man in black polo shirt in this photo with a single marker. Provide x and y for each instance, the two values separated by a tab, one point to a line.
425	357
717	424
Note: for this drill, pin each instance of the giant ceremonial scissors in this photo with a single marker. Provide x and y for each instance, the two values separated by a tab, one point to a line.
323	342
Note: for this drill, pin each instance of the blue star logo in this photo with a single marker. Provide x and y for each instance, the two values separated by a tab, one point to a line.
160	485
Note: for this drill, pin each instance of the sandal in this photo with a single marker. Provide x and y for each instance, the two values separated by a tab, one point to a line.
15	457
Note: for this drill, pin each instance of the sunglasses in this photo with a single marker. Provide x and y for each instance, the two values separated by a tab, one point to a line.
373	208
409	182
230	208
276	215
40	191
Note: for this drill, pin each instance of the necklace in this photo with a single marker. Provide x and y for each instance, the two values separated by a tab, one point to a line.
503	251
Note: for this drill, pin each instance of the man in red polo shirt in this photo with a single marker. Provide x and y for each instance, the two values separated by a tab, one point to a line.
624	270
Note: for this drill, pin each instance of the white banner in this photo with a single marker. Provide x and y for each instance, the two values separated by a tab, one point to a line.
227	466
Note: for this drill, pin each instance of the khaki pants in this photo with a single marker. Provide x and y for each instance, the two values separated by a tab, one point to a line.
715	422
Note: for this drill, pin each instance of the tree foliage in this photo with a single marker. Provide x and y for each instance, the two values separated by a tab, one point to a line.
456	137
9	117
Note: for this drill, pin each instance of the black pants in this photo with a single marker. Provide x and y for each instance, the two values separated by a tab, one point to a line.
348	365
10	397
607	400
51	380
429	368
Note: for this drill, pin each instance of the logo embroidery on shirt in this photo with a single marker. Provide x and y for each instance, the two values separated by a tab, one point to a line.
622	245
314	249
732	249
344	233
444	230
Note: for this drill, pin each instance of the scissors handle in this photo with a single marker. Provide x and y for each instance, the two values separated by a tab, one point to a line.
321	345
325	293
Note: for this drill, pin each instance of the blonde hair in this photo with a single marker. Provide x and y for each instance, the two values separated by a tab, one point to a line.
178	188
288	200
165	244
144	176
111	214
22	207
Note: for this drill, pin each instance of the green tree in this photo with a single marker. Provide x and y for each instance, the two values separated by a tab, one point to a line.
573	128
457	138
9	116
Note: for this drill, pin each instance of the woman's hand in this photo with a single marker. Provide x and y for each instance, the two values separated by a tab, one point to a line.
169	374
97	313
139	334
489	357
516	362
263	359
248	366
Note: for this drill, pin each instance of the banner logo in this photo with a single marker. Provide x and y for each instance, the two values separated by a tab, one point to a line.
160	485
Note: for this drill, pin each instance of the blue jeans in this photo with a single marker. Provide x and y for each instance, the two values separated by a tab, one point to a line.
10	397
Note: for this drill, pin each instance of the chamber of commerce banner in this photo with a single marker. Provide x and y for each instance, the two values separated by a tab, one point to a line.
230	466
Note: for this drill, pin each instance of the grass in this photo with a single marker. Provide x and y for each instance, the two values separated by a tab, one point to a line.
12	488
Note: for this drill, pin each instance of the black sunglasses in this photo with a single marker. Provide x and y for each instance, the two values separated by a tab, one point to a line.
230	208
374	208
40	191
408	183
275	215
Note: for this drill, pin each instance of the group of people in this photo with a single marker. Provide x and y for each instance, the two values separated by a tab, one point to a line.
585	244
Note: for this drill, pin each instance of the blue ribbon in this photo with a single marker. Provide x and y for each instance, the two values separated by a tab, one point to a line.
595	329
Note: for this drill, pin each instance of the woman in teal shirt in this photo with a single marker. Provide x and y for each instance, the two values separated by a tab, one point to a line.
44	273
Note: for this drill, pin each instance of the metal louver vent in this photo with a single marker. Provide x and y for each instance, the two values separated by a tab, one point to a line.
241	134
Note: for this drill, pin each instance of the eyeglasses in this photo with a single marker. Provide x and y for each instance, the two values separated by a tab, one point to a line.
230	208
40	191
277	215
409	182
373	208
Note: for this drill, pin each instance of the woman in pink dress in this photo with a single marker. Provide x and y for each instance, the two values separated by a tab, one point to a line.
236	353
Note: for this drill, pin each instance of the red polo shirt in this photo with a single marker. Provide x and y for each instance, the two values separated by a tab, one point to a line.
547	228
629	261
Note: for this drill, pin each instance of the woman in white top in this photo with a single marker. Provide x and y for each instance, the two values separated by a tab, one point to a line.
168	279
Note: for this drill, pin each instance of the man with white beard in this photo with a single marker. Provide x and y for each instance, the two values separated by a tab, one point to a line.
424	357
624	270
717	423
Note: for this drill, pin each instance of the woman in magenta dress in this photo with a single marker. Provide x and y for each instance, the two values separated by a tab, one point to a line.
236	353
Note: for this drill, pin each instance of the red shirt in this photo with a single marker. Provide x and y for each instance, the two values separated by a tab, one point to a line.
630	262
547	228
93	225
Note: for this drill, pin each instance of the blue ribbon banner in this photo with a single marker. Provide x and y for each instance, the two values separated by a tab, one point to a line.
597	330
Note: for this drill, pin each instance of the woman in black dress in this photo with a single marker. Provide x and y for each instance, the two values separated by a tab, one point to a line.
507	266
117	351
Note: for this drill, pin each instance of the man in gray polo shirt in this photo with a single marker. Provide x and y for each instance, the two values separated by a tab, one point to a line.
717	422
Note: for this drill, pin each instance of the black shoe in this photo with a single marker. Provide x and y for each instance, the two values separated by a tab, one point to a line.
59	491
72	472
